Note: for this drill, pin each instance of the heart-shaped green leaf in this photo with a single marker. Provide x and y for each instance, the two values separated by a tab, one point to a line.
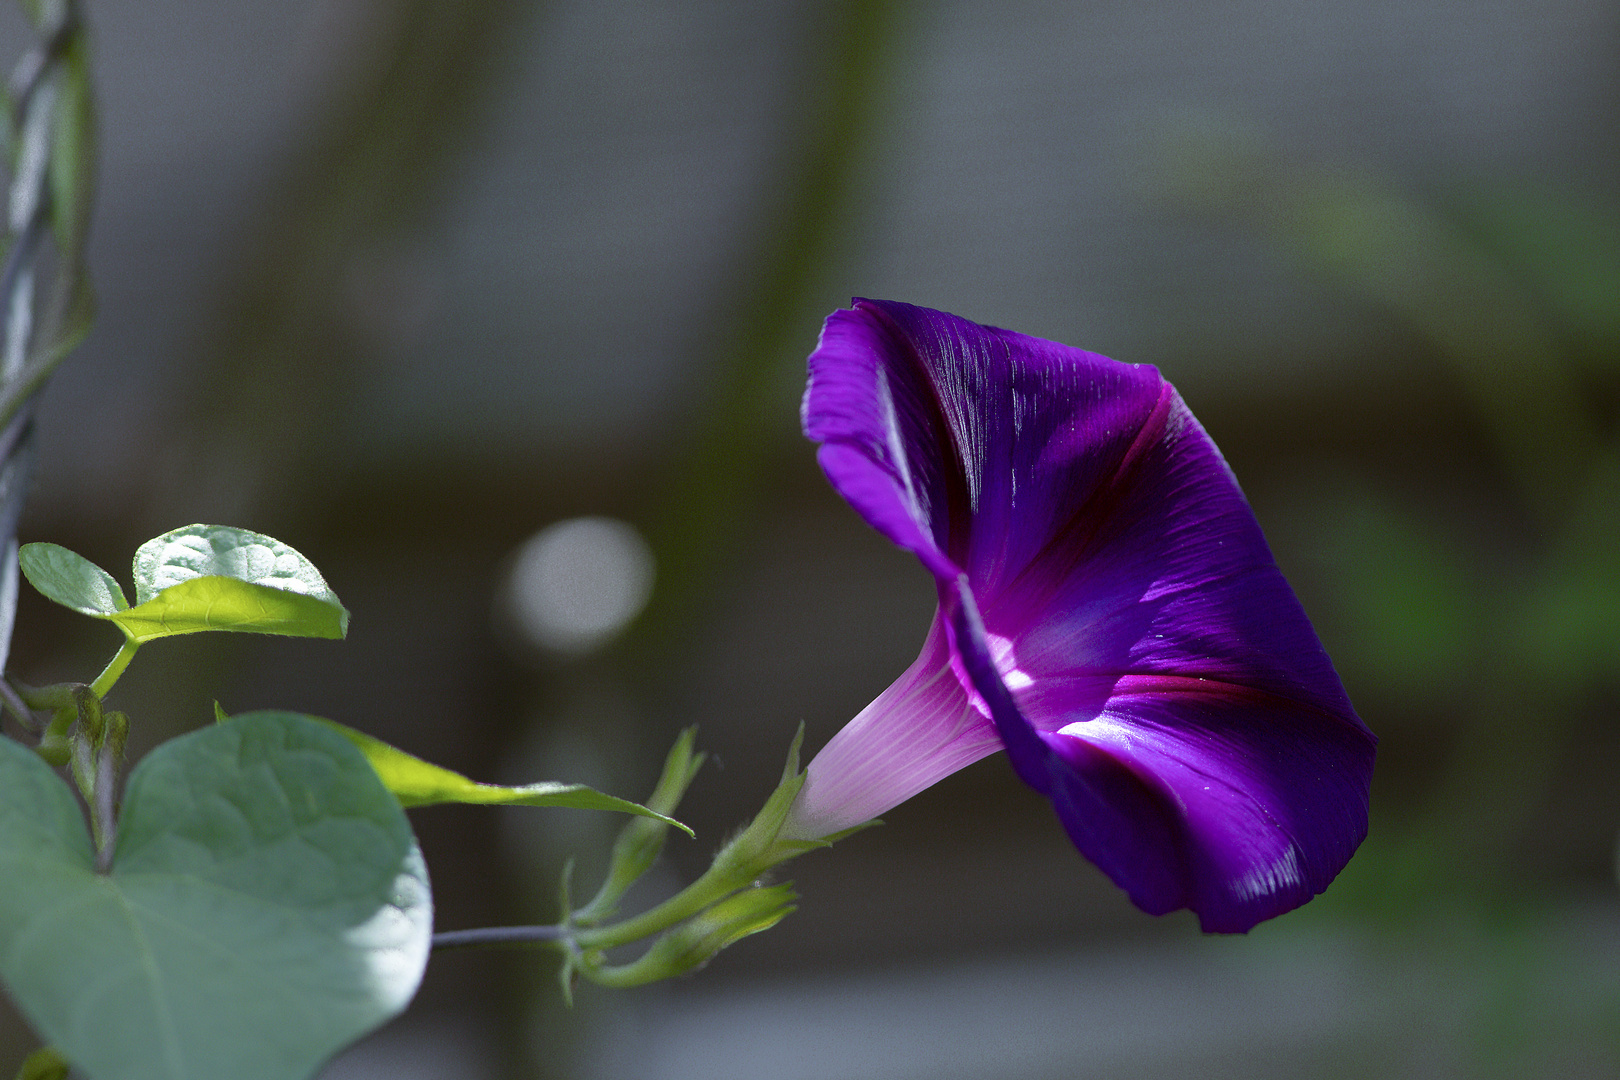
267	904
420	783
213	577
221	551
70	579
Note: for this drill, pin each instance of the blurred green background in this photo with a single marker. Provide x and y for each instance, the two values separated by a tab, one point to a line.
402	282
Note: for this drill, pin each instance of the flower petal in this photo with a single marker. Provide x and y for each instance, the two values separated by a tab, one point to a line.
1266	798
1109	602
917	732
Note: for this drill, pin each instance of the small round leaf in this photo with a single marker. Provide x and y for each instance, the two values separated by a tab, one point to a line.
71	580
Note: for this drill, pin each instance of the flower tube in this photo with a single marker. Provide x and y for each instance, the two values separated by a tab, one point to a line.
1109	614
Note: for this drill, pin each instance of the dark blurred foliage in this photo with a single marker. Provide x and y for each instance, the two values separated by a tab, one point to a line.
1429	429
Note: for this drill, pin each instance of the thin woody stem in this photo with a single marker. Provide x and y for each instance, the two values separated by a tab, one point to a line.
499	935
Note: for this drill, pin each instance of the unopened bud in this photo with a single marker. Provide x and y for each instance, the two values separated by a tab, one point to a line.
694	942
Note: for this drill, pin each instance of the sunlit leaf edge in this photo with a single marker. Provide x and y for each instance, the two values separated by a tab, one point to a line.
173	611
419	783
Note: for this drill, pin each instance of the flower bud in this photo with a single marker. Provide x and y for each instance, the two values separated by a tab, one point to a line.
694	942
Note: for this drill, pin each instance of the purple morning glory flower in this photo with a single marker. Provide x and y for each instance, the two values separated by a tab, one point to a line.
1109	614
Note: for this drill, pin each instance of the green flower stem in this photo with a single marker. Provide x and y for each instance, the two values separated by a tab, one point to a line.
715	885
728	875
726	904
115	668
737	867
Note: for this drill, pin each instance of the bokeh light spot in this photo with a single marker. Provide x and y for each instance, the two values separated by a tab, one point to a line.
577	583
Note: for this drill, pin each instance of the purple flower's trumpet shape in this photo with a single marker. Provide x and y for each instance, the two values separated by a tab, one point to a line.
1109	614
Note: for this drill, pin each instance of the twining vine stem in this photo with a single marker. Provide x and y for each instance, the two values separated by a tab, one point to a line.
52	161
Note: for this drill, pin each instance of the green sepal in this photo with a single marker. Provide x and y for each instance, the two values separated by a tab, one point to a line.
737	866
68	578
415	782
640	840
760	846
832	838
